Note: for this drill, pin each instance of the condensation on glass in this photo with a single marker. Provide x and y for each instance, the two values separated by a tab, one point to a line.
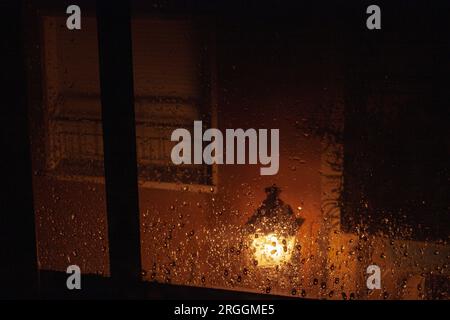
195	219
67	147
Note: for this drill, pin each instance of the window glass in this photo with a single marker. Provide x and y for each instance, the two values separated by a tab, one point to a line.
67	146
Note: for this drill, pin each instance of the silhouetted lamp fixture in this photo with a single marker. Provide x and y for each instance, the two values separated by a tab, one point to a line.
272	229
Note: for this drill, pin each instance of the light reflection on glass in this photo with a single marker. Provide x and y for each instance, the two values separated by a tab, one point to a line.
271	250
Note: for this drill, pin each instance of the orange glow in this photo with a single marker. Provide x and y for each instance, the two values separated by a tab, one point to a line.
271	250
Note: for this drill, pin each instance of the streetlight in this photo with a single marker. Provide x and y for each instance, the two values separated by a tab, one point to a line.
272	230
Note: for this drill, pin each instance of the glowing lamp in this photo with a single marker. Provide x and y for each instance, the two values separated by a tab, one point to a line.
272	231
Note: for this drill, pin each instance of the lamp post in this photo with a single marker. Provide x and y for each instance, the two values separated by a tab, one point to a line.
272	231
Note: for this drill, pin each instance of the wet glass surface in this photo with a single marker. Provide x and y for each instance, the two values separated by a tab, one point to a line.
363	176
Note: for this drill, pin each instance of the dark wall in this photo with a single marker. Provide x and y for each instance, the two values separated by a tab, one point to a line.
396	137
